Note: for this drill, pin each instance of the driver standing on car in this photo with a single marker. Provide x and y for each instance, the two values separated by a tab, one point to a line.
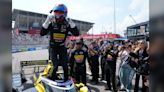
58	26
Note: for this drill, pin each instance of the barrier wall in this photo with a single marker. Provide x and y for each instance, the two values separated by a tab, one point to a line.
15	50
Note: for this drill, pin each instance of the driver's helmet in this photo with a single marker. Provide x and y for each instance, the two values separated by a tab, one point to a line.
60	7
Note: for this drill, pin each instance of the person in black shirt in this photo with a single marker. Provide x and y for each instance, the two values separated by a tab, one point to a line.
78	63
102	60
94	61
110	57
141	52
58	26
85	47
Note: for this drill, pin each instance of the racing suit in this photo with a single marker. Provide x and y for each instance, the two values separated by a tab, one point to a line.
57	50
78	65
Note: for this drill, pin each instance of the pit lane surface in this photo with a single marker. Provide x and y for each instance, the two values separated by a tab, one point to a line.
43	55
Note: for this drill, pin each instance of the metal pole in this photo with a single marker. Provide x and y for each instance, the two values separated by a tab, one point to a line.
114	18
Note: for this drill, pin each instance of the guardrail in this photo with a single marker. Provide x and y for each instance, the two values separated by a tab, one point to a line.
15	50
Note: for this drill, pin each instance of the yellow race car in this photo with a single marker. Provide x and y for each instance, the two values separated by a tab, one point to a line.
43	84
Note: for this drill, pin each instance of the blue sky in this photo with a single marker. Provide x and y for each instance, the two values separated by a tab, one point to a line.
99	12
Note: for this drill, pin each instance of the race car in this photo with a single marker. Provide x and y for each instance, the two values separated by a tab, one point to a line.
43	84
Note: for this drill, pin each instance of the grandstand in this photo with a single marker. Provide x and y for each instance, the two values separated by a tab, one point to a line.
27	25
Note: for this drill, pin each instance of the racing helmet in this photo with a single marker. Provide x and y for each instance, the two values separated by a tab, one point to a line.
60	7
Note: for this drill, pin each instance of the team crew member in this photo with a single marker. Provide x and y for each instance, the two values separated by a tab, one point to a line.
110	57
102	60
94	61
78	65
58	26
85	47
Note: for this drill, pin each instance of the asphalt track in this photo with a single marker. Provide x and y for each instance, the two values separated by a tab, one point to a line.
43	55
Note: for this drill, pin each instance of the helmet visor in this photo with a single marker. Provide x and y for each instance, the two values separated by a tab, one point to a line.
59	14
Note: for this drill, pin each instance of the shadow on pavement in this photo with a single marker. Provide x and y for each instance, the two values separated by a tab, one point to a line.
93	89
28	86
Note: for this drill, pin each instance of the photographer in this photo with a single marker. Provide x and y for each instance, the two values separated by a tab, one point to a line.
102	58
94	61
110	67
126	72
142	65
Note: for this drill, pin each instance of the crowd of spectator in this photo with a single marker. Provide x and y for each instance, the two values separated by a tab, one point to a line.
23	39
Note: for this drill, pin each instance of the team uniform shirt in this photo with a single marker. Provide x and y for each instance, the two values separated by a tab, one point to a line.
110	56
92	54
58	32
78	59
79	56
